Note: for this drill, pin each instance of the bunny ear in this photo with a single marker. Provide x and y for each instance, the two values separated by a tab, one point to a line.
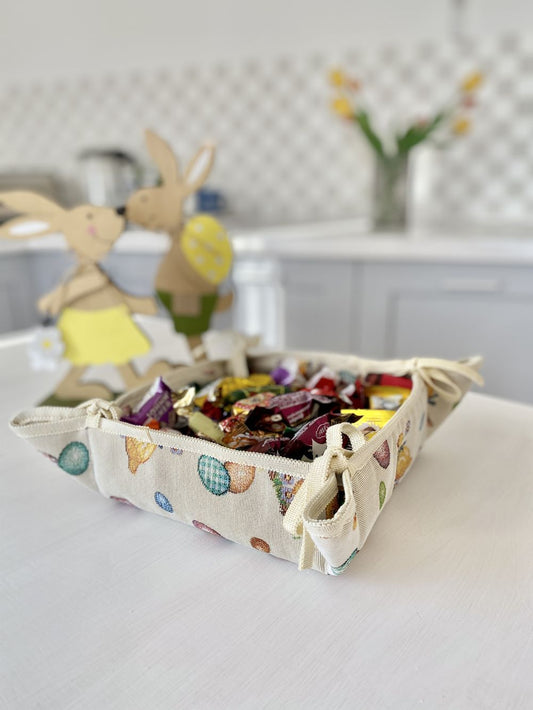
31	203
199	168
163	157
26	228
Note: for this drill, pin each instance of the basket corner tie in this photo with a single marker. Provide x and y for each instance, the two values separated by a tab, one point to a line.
332	461
97	409
437	374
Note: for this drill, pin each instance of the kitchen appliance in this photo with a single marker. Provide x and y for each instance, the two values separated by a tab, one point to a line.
108	176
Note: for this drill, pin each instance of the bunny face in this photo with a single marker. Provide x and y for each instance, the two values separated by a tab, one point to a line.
91	231
160	208
151	208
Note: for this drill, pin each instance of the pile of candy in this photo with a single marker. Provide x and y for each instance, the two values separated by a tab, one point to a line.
286	412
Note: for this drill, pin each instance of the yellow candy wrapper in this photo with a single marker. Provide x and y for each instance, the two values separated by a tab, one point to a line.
230	384
376	417
386	396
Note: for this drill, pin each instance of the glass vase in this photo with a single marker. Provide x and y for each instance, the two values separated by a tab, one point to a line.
391	193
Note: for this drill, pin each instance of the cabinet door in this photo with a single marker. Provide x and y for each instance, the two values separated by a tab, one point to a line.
452	312
318	305
17	309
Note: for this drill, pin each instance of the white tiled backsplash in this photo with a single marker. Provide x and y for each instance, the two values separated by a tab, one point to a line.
283	157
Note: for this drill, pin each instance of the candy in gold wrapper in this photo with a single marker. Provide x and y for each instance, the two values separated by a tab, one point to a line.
240	437
228	424
253	382
183	400
246	405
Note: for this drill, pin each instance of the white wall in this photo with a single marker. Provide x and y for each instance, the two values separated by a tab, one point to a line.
72	37
65	37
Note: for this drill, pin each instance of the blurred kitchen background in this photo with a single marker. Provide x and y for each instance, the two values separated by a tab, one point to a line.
82	81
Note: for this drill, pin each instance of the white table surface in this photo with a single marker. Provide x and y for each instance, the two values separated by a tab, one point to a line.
105	606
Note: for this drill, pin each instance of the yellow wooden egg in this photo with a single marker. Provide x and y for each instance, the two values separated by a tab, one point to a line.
207	248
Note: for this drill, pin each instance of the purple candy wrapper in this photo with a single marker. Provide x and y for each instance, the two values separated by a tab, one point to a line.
156	404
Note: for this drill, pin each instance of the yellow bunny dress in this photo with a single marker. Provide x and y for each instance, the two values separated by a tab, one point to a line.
107	335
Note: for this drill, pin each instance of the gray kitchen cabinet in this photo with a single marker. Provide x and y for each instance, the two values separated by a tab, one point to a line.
452	311
27	275
321	304
378	306
16	294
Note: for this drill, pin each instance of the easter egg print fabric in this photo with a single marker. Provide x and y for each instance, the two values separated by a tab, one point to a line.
241	476
259	544
219	478
382	455
74	458
404	458
286	488
138	452
341	568
205	528
213	475
382	494
163	502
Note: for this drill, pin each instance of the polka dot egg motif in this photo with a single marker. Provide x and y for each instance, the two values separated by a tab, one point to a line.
207	248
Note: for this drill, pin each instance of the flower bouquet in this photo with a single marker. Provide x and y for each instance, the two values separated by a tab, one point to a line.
392	156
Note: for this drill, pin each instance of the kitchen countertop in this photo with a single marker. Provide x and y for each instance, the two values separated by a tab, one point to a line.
107	606
332	241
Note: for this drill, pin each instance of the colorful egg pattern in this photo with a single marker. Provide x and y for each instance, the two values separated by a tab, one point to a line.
138	452
404	458
382	494
340	569
382	455
163	502
213	475
259	544
205	528
74	458
241	476
219	478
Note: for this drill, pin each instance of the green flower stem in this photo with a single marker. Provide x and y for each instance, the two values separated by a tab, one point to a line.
363	119
404	142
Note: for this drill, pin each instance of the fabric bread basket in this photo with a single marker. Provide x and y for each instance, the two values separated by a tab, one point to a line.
316	514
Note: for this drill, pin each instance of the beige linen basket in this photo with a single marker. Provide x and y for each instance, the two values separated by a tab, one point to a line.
317	514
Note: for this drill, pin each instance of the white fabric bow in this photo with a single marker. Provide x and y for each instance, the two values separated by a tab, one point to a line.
97	409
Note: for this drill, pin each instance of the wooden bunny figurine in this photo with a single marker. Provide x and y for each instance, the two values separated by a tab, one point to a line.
94	315
200	256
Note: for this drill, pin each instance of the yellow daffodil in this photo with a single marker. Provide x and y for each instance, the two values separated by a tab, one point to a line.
472	82
337	77
461	126
342	106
